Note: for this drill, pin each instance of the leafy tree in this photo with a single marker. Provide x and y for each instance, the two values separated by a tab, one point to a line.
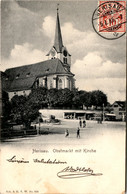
59	98
29	113
76	100
98	98
52	97
85	98
38	97
23	111
65	98
6	109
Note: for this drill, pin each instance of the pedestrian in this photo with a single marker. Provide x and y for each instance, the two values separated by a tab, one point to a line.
78	133
80	122
66	133
84	123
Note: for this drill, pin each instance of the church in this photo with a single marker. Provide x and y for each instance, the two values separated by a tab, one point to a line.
55	72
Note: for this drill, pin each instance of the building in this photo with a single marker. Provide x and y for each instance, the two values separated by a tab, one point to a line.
53	73
119	110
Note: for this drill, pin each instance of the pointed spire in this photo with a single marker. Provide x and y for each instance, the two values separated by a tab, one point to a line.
58	43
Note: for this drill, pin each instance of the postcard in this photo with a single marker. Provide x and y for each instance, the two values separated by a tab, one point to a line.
63	97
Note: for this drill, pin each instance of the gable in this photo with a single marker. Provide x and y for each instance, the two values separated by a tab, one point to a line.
119	104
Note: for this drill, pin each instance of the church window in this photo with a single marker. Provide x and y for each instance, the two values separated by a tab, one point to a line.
65	60
60	84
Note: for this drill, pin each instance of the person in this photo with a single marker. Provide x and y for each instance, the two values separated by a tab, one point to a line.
84	123
80	122
78	133
66	133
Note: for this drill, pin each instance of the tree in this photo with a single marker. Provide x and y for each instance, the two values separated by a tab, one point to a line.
59	98
76	100
52	97
98	98
38	97
23	111
6	109
85	99
65	98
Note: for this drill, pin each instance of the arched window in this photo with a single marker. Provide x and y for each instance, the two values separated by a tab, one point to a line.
60	84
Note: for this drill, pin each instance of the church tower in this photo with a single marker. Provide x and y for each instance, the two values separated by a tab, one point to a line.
58	50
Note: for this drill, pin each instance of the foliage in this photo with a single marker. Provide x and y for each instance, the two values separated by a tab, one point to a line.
6	109
38	97
76	100
65	97
24	109
98	98
52	97
59	98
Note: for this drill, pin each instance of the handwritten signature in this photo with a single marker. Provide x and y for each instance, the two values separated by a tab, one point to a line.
78	172
49	161
13	159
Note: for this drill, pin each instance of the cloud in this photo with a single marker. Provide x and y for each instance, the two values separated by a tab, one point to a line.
23	55
19	25
48	26
71	34
95	73
94	66
80	43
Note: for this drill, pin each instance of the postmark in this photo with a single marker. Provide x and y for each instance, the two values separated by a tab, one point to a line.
109	19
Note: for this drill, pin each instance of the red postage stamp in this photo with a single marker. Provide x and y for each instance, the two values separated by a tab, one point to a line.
112	16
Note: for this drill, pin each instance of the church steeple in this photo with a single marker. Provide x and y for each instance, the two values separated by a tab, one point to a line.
58	43
58	50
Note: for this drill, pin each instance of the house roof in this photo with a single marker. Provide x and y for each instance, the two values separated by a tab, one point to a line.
120	103
23	77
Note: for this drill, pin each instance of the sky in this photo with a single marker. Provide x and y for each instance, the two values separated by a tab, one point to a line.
27	35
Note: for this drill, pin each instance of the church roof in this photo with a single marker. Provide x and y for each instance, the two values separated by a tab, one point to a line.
23	77
58	43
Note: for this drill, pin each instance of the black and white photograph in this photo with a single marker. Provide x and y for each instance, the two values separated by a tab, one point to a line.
63	97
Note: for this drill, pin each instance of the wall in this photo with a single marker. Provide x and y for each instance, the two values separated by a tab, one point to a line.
51	80
58	113
19	93
118	111
60	56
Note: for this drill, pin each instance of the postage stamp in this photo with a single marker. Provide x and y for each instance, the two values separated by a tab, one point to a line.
109	19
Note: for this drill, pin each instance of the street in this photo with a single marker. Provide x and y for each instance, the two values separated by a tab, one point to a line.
100	147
